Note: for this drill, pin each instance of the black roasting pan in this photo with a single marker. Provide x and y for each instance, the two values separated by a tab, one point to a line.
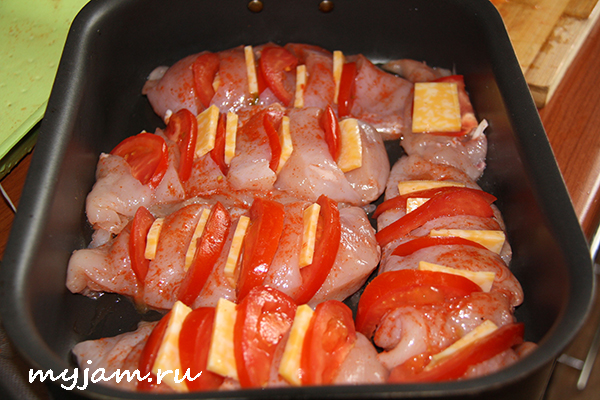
96	102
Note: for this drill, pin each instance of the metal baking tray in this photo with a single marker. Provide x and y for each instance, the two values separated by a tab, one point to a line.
96	101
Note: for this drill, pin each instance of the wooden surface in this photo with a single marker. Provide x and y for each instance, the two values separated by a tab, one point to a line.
572	121
546	35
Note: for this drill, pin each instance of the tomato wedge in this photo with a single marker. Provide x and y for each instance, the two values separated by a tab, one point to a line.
210	245
204	69
329	339
333	136
456	202
274	63
147	155
149	353
218	152
394	289
468	120
455	366
400	201
329	232
274	143
182	129
260	79
260	243
347	89
263	317
142	221
196	332
407	248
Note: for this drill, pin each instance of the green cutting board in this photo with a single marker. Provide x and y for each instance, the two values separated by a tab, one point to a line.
32	37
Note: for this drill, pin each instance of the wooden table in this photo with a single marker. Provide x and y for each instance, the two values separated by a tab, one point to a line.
572	121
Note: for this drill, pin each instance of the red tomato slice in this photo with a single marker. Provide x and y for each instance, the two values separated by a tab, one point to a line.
147	155
269	123
455	366
400	201
142	221
260	243
468	120
260	79
183	129
329	339
218	152
333	136
263	317
456	202
274	63
347	89
204	69
208	250
407	248
394	289
196	333
326	248
149	353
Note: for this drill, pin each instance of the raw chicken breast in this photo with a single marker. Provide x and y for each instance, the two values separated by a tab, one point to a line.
382	99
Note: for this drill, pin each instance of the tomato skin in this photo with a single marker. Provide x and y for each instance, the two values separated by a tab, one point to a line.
264	316
260	79
407	248
182	129
147	155
196	333
455	366
394	289
269	122
329	338
326	248
204	69
347	89
218	152
260	243
400	201
333	136
456	202
208	250
274	62
149	353
142	221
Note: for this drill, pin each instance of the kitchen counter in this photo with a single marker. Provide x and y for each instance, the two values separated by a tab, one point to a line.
572	122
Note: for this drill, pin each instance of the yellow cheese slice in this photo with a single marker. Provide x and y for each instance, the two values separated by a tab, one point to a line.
152	238
251	71
491	239
486	328
485	279
167	357
207	130
236	247
436	107
407	187
351	150
338	65
221	355
300	86
289	367
230	136
285	139
191	251
309	234
412	203
216	81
